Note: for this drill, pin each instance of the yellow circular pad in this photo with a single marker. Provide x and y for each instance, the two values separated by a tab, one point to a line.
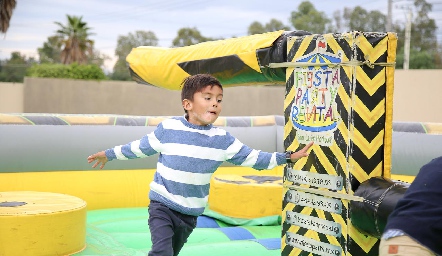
41	223
246	196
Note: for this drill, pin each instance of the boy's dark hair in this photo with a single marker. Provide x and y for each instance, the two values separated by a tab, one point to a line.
197	83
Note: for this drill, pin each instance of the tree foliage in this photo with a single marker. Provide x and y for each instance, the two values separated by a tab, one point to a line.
15	69
72	43
423	29
425	52
51	50
97	58
72	71
338	22
189	36
360	19
273	25
256	28
418	60
75	40
6	9
309	19
125	44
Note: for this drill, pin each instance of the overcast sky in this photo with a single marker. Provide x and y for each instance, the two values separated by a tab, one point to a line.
33	20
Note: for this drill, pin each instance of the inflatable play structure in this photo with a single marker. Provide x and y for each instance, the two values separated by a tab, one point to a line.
243	217
339	90
46	155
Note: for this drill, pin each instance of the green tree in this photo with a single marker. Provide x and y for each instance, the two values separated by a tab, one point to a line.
360	19
71	71
273	25
256	28
425	52
125	44
51	50
97	58
338	21
423	29
309	19
6	9
75	40
15	69
189	36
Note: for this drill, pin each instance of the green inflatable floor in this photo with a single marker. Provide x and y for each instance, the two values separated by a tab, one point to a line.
125	231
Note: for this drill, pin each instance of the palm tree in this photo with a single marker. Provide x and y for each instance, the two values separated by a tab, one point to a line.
74	37
6	8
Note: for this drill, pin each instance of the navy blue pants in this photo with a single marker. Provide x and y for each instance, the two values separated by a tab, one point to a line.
169	229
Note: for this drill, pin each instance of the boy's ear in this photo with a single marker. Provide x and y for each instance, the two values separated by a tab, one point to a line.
187	104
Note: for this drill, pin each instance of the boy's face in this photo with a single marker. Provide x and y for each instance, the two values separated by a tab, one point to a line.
206	105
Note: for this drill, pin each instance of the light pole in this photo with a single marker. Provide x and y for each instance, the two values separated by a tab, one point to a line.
407	39
389	16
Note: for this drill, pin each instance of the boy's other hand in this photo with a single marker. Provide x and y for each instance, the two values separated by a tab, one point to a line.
301	153
100	157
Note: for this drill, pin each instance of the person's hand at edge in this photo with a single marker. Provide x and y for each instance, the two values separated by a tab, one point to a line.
100	157
301	153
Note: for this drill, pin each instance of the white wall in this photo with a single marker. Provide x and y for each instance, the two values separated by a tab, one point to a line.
417	98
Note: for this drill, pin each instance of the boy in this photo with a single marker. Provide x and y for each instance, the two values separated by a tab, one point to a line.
191	149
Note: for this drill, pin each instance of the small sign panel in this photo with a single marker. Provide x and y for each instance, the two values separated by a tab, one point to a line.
313	246
315	201
313	223
315	179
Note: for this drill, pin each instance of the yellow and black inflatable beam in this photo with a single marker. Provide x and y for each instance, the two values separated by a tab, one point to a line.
234	61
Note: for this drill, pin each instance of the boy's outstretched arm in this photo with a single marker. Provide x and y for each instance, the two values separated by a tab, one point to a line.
295	156
100	157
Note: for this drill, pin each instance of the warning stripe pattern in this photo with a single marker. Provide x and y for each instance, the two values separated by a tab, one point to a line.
361	141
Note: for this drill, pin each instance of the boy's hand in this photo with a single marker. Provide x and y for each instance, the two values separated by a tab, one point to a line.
100	157
301	153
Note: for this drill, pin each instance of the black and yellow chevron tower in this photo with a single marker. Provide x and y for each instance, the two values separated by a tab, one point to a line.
339	92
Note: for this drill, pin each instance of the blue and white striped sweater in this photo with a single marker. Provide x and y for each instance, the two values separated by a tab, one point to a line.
189	155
